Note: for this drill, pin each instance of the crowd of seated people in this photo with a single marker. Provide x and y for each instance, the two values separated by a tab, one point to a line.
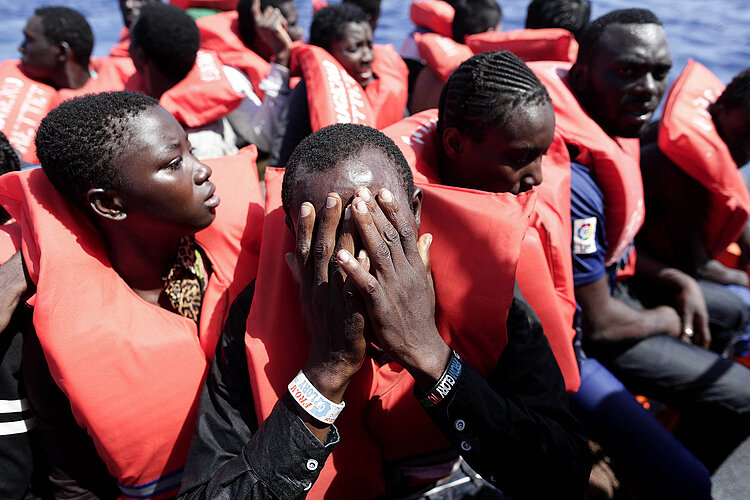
240	264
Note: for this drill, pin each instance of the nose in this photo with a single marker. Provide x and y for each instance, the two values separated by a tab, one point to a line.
647	84
368	55
533	175
202	172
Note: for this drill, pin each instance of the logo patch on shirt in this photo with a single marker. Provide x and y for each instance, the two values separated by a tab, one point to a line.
584	236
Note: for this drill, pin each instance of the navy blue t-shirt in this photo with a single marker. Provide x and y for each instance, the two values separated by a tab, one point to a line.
589	245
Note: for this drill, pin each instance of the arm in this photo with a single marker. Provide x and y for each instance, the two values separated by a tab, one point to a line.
15	286
514	428
230	456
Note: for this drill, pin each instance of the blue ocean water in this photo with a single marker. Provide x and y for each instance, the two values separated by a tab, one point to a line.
714	32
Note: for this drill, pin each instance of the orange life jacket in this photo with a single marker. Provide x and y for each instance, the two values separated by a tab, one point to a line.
335	97
132	371
205	4
23	104
203	96
434	15
220	33
545	272
111	74
380	397
614	162
122	47
687	136
549	44
441	53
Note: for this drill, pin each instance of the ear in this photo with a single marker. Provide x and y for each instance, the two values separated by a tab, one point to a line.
416	203
453	143
65	53
106	205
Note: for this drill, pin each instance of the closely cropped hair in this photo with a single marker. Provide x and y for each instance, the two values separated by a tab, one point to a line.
737	93
483	91
572	15
168	36
371	7
61	24
330	146
78	141
329	22
475	16
588	42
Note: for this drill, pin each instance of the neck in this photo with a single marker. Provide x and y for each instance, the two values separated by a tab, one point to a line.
72	76
159	84
140	260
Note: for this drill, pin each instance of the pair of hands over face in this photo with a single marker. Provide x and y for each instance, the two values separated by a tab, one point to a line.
384	294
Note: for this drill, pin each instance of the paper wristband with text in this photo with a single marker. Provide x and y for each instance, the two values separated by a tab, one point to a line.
313	402
445	383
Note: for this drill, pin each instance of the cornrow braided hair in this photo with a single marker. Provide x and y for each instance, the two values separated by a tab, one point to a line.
484	90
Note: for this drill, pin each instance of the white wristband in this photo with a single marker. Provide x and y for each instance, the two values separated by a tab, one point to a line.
312	401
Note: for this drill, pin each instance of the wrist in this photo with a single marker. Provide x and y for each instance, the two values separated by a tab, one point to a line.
331	379
428	365
282	56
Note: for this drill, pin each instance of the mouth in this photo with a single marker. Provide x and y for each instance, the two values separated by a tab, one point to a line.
641	113
364	73
212	200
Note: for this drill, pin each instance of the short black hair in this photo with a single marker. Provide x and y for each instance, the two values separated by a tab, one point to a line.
62	24
737	93
475	16
329	22
330	146
572	15
371	7
168	36
78	141
246	21
588	43
484	90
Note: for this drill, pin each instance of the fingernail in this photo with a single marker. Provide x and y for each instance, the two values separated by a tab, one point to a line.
361	207
330	202
305	209
344	256
364	193
362	255
429	239
386	196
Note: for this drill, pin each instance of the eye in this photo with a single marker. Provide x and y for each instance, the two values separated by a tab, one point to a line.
625	72
175	164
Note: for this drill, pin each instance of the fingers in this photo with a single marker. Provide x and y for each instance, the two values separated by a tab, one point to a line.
404	225
345	241
256	9
702	331
291	262
325	239
356	273
378	249
305	227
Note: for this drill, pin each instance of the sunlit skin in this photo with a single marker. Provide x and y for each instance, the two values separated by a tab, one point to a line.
508	159
624	81
354	51
290	13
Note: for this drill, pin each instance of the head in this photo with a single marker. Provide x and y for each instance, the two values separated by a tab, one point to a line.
345	32
246	20
475	16
339	158
371	8
131	9
621	72
9	162
731	116
495	122
572	15
164	43
126	162
54	37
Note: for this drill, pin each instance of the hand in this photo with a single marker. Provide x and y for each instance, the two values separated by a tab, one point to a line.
331	308
399	297
691	306
271	27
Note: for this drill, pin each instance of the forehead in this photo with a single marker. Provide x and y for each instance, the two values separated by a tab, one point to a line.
642	42
369	168
34	25
152	132
289	11
356	31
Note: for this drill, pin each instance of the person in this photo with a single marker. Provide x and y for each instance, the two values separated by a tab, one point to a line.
495	121
134	259
602	105
345	80
371	8
216	103
572	15
256	38
130	10
253	437
703	120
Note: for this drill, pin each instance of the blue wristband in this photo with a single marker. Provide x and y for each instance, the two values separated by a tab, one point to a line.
312	401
